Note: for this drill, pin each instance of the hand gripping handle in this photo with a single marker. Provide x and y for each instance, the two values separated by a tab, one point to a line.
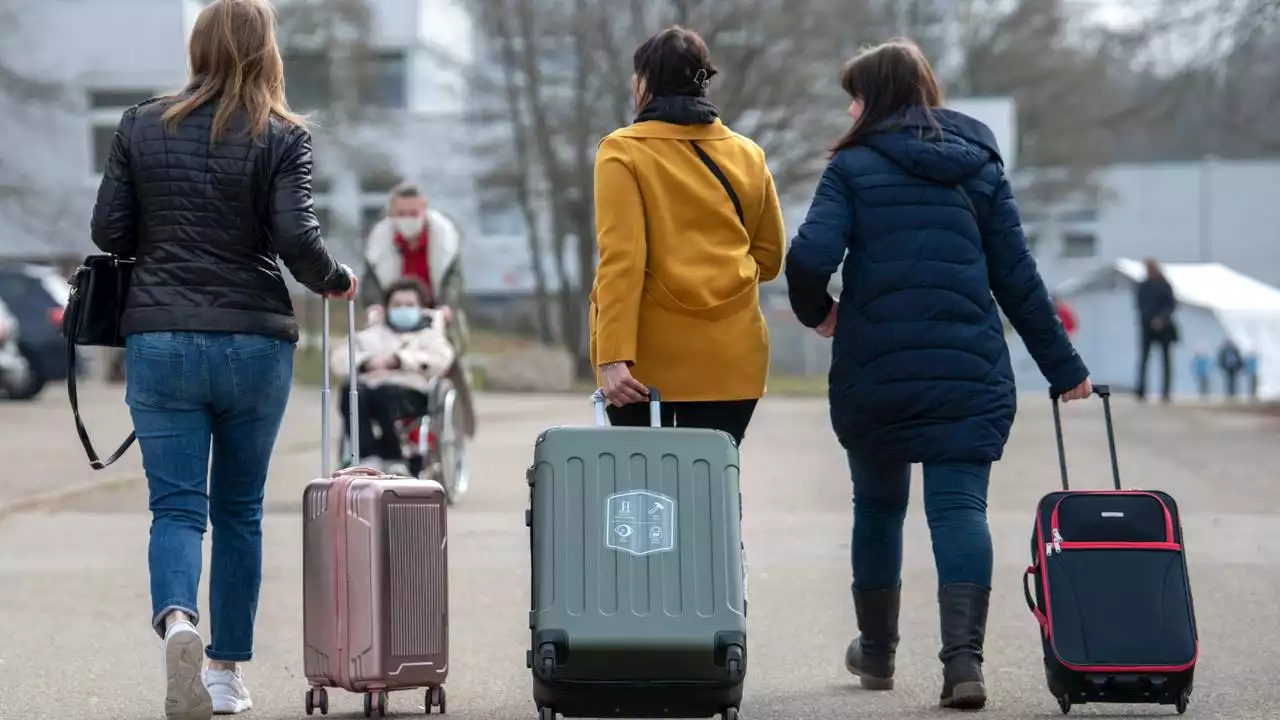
655	407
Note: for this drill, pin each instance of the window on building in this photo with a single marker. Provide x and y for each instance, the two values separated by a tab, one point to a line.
370	217
379	181
386	83
1079	215
1079	245
101	140
308	80
321	185
1033	241
116	98
500	216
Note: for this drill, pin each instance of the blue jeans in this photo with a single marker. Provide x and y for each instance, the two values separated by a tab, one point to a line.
197	398
955	504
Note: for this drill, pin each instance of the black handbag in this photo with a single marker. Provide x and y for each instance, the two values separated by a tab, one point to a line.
99	289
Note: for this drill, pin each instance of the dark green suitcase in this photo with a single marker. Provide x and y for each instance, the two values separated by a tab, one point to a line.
639	597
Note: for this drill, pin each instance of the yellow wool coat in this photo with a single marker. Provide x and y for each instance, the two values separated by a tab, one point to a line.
677	288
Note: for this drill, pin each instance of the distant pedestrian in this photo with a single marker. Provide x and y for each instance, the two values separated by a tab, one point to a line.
917	206
1202	369
205	189
1231	363
418	241
1156	306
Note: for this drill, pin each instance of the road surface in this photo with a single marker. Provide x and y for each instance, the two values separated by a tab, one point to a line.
74	640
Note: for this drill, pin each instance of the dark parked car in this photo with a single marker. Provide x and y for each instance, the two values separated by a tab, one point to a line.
36	296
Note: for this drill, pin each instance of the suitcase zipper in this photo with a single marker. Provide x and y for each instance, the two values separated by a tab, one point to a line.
1064	545
1053	519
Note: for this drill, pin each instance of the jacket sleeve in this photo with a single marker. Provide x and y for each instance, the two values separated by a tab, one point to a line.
620	232
819	247
451	295
1022	295
114	227
769	241
431	355
295	230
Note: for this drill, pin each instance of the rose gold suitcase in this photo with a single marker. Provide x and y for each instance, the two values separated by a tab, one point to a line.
375	578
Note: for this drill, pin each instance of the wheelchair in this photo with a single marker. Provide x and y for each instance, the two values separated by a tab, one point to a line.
431	437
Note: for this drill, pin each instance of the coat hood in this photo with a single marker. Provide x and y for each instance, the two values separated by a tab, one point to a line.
965	146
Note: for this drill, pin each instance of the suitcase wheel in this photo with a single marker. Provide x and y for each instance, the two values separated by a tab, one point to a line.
546	713
1184	698
435	699
729	713
375	701
317	699
1064	703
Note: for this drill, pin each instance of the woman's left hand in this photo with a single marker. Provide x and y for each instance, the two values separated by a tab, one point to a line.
828	327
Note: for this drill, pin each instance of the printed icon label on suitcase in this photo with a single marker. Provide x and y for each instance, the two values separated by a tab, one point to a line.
640	522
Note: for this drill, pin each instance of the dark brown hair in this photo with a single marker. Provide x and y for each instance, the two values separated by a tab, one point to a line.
412	284
1154	272
888	79
675	62
235	60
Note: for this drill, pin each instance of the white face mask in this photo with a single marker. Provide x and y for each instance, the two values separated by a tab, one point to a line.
408	227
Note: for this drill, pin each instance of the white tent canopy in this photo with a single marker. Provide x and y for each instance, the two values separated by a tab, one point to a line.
1247	309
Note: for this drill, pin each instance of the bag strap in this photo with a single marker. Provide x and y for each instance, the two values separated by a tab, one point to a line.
94	461
715	170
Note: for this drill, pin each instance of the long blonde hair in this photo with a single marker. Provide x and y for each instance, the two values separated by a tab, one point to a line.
235	59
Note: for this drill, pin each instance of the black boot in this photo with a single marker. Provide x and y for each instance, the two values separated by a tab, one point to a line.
870	655
963	611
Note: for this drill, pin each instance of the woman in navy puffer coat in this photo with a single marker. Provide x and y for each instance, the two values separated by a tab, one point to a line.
916	204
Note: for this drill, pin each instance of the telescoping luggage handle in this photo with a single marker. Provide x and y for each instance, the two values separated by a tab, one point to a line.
655	407
1104	392
326	388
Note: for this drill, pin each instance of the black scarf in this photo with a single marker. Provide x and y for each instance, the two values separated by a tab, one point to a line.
679	110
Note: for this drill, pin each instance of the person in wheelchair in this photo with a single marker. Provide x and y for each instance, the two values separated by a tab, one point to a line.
398	359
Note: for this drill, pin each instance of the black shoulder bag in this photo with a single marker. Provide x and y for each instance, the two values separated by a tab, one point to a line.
715	170
99	288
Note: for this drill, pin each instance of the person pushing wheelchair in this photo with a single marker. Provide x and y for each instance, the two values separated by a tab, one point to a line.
397	359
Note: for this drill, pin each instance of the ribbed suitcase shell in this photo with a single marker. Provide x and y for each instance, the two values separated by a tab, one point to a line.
636	634
375	583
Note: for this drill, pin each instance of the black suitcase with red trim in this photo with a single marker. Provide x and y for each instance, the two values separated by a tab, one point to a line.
1111	591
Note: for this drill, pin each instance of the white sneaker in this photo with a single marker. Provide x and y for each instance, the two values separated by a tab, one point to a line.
398	468
372	462
230	696
186	697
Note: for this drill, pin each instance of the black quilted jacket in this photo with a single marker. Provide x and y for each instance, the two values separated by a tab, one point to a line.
207	221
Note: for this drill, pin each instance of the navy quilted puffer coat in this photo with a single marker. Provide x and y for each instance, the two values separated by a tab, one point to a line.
929	234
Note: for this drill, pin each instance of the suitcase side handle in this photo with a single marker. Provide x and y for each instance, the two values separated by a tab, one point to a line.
1031	602
1104	392
326	386
655	407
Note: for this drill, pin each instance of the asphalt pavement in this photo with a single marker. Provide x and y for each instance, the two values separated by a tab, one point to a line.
75	644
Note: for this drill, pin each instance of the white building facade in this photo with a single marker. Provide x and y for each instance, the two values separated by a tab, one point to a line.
106	55
1223	211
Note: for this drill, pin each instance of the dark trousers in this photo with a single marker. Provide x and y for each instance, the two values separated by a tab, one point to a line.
1148	339
730	416
955	505
379	409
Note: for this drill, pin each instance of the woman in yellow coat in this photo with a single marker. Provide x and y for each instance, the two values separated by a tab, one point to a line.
688	225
